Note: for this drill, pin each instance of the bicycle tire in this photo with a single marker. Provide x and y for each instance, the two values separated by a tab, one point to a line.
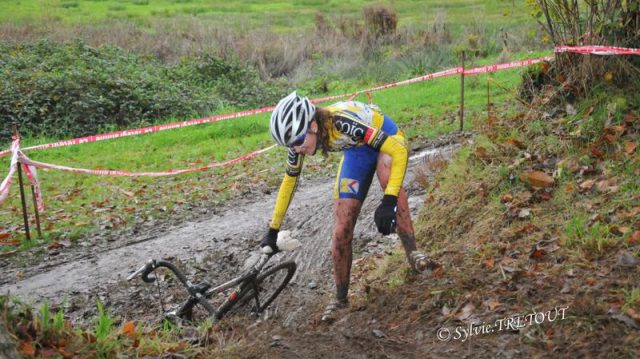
247	291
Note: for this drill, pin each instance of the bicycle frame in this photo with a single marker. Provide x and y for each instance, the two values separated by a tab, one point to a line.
254	272
199	293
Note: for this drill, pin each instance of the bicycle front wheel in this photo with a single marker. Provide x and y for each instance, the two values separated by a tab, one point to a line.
269	285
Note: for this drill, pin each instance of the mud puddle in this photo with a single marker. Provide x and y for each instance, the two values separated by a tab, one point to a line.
216	249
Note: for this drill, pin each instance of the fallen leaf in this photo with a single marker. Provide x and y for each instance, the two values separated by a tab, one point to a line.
481	152
506	198
635	238
524	213
527	228
48	353
629	147
627	260
489	262
545	196
619	231
515	142
629	118
586	170
597	152
4	236
537	179
586	185
618	129
89	337
588	111
492	304
26	349
537	254
127	193
523	197
466	311
438	272
549	333
128	328
590	281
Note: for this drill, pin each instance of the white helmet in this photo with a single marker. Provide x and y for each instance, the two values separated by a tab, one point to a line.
290	119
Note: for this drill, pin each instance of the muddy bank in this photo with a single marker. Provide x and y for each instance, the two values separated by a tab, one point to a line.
215	248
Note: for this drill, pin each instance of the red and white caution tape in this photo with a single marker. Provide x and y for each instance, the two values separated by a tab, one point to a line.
598	50
26	160
157	128
32	176
150	129
6	183
445	73
504	66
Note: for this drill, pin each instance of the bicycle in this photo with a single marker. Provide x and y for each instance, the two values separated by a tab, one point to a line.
252	285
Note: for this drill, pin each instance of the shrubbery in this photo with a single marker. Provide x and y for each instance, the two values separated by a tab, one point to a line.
71	89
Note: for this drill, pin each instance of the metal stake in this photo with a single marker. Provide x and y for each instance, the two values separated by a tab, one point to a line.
488	98
462	94
35	208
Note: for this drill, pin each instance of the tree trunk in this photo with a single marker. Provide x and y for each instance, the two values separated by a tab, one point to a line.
7	343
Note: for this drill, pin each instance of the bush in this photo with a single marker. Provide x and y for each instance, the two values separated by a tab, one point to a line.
236	84
576	23
71	89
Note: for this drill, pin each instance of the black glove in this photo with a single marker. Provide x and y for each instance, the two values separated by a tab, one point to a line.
268	244
385	216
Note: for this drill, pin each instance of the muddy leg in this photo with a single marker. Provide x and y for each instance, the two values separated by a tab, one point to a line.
345	216
404	224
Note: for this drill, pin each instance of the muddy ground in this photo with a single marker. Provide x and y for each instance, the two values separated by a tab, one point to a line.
212	246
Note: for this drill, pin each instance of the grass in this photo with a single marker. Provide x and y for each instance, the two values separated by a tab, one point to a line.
593	237
80	205
631	298
105	344
282	16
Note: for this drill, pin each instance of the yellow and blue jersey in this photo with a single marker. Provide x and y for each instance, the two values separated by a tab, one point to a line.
361	131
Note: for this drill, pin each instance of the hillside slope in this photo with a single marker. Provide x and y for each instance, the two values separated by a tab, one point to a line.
537	225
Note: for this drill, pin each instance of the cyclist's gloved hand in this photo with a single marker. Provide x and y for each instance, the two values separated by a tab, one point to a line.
385	216
268	244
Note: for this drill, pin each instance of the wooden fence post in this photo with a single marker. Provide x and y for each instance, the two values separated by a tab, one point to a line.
462	94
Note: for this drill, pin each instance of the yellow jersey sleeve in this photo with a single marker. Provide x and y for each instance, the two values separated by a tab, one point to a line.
287	188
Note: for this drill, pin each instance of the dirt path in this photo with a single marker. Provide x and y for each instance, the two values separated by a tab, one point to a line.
217	247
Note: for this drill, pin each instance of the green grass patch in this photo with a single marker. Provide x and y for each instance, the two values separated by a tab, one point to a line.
631	298
282	16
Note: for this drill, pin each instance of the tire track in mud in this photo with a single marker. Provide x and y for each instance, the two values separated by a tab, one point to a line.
231	236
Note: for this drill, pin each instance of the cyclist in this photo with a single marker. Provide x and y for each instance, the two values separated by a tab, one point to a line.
371	143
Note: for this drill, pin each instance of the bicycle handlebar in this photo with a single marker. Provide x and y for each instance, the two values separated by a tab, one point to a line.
145	270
